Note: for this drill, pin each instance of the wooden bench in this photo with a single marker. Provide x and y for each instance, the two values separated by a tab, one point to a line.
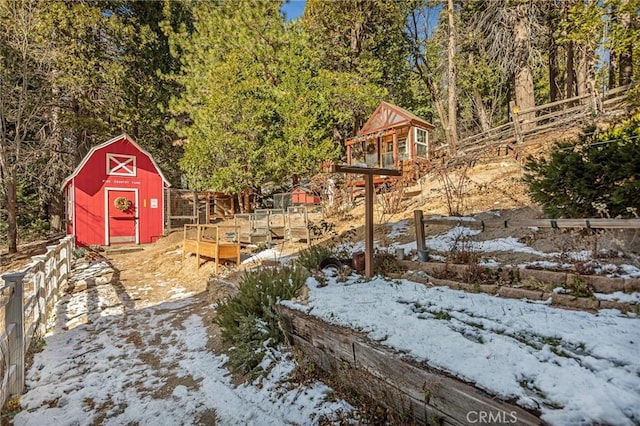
216	242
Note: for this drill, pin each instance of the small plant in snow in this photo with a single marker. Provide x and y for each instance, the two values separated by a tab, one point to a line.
578	287
250	321
311	257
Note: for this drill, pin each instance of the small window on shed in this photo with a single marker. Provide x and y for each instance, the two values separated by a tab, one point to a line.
121	165
422	143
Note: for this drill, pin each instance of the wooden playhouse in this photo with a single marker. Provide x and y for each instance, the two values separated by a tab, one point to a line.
392	138
115	195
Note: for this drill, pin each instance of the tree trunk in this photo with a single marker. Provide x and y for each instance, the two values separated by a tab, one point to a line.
481	111
582	71
626	66
442	114
554	88
12	212
54	197
524	91
247	200
613	68
570	78
452	83
524	95
56	211
626	52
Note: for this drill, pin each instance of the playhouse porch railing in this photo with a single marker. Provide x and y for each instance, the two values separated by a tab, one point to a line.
27	298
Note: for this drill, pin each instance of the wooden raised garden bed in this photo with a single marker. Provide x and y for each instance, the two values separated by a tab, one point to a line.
215	242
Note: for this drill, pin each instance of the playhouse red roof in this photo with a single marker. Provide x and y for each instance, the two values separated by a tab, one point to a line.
107	143
387	116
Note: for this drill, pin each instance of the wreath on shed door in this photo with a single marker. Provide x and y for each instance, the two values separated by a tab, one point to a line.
123	204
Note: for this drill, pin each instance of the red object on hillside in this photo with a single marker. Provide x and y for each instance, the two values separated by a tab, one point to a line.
304	196
116	195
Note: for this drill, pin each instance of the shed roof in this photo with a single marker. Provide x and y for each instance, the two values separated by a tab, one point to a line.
387	116
107	143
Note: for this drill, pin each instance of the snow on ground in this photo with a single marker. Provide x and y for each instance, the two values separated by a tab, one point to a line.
575	367
398	229
113	360
268	254
633	298
458	236
108	362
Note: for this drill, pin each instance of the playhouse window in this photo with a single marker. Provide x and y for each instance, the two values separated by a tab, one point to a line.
387	157
403	152
121	165
422	143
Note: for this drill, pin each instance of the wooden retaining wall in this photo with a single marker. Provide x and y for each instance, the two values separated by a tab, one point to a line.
545	280
414	391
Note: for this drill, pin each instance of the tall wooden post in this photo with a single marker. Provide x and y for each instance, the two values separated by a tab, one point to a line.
196	216
14	318
368	173
396	159
368	230
167	208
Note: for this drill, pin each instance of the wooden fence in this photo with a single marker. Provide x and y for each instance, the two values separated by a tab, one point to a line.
528	124
184	206
27	298
596	223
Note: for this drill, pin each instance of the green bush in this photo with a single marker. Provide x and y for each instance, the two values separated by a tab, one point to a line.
311	257
598	176
249	320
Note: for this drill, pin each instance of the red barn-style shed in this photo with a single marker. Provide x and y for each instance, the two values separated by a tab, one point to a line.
304	196
116	195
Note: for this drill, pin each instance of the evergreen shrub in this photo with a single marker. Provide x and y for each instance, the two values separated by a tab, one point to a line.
598	176
311	257
250	322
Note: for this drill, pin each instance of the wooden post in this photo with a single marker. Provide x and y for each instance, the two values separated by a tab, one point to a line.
196	216
69	256
168	210
208	208
513	110
368	173
14	315
368	226
420	244
198	239
396	159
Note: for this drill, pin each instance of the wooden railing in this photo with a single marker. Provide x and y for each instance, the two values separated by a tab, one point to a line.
530	123
28	296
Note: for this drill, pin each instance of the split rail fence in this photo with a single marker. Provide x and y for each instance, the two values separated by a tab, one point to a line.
530	123
27	298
